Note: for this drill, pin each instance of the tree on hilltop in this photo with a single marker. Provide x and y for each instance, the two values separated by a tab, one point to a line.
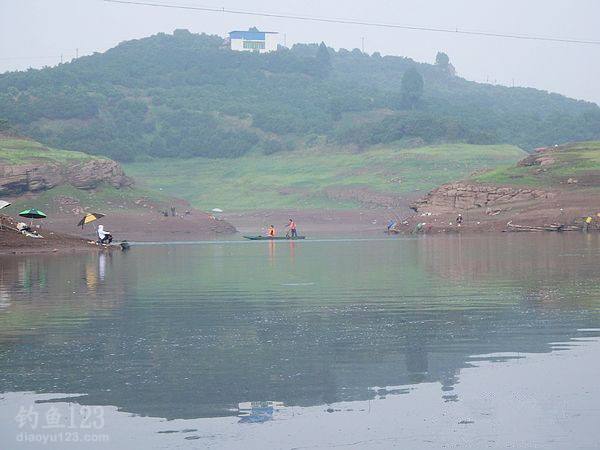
411	88
323	58
4	126
442	61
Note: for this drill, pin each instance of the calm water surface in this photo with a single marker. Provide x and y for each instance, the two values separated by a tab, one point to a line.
487	341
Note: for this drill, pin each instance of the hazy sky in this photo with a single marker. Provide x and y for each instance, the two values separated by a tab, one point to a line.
34	33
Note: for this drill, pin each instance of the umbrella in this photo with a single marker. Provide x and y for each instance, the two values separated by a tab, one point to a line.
33	214
217	210
3	204
89	217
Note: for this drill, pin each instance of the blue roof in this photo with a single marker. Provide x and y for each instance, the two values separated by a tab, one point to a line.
250	35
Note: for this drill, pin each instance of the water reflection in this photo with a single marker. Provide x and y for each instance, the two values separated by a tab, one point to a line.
258	412
192	331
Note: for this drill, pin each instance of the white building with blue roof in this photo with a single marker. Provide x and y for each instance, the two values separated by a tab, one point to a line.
254	40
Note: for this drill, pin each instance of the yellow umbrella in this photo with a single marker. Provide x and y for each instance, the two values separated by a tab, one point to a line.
89	217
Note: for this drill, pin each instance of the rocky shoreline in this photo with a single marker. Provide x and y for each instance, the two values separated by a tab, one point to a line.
466	196
497	208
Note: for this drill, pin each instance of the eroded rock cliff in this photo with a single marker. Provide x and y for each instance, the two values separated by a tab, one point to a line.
466	196
17	179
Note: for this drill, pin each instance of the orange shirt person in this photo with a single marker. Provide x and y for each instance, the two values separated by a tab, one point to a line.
271	231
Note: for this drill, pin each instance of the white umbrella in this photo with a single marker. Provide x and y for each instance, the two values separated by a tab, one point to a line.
217	210
3	204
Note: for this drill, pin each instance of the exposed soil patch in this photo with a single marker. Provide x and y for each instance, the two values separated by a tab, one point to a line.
140	219
532	208
12	241
148	226
318	223
368	198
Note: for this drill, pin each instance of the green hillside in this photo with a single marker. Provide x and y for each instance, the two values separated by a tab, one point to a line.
22	151
305	179
553	168
105	198
187	95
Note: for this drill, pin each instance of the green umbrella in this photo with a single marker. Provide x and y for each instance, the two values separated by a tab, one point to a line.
32	214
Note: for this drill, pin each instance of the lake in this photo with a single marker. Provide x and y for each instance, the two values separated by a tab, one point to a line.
489	341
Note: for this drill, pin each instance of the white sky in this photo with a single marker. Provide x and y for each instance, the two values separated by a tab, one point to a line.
34	33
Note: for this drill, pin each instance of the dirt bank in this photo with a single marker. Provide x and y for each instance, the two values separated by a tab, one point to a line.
317	223
61	233
496	208
12	241
147	226
133	219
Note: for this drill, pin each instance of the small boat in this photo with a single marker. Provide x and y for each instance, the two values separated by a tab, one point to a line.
274	238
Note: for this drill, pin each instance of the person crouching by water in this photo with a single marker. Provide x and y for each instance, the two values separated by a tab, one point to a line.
271	231
292	226
459	220
104	237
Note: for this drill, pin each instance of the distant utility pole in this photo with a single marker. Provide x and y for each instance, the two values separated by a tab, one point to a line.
76	53
285	39
61	58
513	82
362	44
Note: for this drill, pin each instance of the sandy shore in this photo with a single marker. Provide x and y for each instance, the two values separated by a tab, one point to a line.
314	223
148	226
61	233
14	242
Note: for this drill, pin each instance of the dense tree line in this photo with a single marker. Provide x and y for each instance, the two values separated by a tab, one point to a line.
185	94
4	126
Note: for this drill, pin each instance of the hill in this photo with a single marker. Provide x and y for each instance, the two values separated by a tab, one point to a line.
67	184
319	178
572	166
556	185
187	95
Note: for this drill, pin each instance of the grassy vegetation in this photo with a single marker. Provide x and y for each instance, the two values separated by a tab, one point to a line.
577	161
104	199
298	179
20	151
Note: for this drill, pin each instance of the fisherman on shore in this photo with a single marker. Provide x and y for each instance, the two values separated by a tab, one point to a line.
459	220
104	237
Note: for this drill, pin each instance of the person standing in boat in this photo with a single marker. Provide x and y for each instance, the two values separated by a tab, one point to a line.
292	226
271	232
